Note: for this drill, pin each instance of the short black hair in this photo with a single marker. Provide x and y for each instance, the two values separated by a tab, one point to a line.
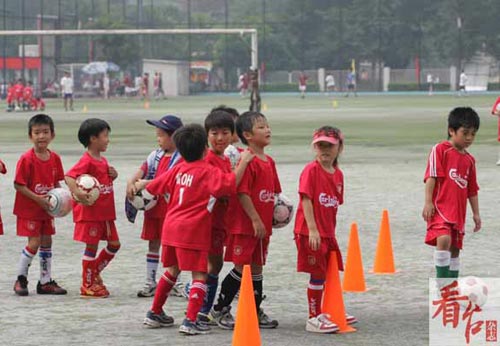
40	119
234	113
219	120
245	122
463	117
191	142
91	127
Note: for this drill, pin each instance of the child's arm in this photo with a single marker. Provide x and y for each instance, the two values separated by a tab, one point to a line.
131	187
429	209
3	169
249	208
41	200
112	172
79	195
314	237
245	158
474	204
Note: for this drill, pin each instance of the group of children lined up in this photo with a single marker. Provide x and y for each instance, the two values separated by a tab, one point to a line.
20	97
202	189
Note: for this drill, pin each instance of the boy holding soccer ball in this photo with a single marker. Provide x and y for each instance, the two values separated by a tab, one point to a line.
38	171
321	192
157	162
94	221
450	180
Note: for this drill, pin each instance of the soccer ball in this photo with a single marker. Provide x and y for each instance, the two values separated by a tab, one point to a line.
88	184
233	154
143	200
497	108
60	202
283	211
473	288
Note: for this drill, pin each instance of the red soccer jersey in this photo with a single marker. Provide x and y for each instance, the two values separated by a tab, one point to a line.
303	79
260	181
326	191
38	176
104	208
455	174
192	188
10	94
160	209
27	93
221	206
18	91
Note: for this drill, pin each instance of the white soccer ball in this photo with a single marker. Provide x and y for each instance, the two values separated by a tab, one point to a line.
143	200
283	211
90	185
60	202
233	154
473	288
497	108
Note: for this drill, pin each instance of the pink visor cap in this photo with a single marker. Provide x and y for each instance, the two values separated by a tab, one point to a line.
333	136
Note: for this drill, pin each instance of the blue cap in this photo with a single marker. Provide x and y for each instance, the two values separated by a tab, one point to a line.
168	123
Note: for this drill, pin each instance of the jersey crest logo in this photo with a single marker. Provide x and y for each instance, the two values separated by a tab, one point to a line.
238	250
461	182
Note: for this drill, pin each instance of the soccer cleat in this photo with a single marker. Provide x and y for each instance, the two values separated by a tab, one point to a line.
94	291
206	319
321	324
350	319
50	287
265	322
177	290
160	320
21	286
148	290
223	318
193	328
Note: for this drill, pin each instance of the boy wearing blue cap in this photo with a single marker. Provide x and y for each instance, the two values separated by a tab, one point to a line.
157	162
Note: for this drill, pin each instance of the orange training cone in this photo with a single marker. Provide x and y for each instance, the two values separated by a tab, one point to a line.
384	257
333	301
246	329
354	278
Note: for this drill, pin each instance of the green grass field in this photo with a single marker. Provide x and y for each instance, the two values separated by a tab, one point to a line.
387	141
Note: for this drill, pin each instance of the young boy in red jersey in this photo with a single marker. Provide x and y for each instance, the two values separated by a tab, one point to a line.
94	222
27	96
18	93
38	171
450	180
251	230
321	191
3	170
157	163
192	188
11	103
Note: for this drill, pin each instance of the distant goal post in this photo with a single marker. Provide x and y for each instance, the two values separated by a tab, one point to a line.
90	32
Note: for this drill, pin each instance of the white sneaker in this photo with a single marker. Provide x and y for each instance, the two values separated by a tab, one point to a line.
350	319
498	162
176	291
321	324
148	290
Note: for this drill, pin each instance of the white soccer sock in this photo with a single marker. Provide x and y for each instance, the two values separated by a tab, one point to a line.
442	258
45	255
455	263
25	261
152	259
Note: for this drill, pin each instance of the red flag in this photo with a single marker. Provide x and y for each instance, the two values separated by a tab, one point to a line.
417	69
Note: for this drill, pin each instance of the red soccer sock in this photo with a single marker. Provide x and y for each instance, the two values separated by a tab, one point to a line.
196	298
314	296
167	281
105	256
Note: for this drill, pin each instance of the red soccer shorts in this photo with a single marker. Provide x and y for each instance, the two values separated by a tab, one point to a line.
436	230
246	249
316	262
151	228
1	225
184	259
93	232
35	228
218	240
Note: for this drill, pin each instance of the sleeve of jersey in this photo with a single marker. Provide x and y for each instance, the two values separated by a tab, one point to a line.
160	184
223	184
277	185
246	182
59	169
306	183
472	186
434	163
4	168
81	167
22	171
495	105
